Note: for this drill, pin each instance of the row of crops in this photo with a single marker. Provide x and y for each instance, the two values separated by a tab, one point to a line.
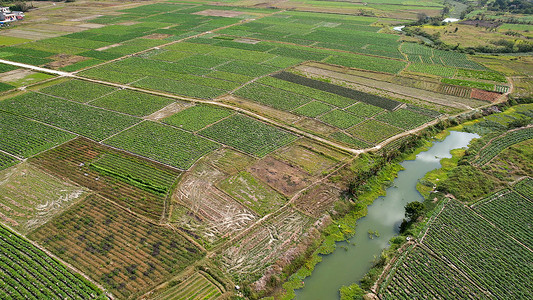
420	275
511	212
23	137
136	173
7	161
195	287
421	54
525	188
26	272
497	145
138	254
132	189
488	256
89	121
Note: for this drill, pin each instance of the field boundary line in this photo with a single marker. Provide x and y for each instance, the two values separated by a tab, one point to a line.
444	260
12	155
121	131
501	230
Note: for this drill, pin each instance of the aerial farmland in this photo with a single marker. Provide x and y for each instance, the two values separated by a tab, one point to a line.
230	150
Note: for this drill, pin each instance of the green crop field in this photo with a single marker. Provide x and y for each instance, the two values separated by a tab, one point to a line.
273	97
374	131
421	274
248	135
197	117
77	90
494	147
88	121
131	102
509	211
313	109
165	144
27	273
341	119
460	236
404	118
7	161
136	173
23	137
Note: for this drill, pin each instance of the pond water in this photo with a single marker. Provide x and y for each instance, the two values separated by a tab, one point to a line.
352	259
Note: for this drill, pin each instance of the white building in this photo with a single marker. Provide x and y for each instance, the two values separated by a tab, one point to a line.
6	15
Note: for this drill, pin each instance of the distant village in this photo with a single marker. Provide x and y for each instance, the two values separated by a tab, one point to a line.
7	16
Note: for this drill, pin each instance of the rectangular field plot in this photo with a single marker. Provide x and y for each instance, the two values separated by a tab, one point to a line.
96	233
138	185
23	137
313	109
404	118
197	117
419	274
272	97
165	144
179	87
364	110
29	273
494	263
78	90
195	287
252	193
349	140
88	121
311	157
30	197
341	119
373	131
136	172
132	103
510	212
248	135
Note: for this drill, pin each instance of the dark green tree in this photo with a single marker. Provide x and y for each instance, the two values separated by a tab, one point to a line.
413	210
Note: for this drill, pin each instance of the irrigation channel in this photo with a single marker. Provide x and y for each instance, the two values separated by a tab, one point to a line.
352	259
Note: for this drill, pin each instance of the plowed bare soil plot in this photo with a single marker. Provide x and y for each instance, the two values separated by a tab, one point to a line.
311	157
281	176
315	201
78	159
124	253
204	211
29	197
265	244
484	95
253	193
230	161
